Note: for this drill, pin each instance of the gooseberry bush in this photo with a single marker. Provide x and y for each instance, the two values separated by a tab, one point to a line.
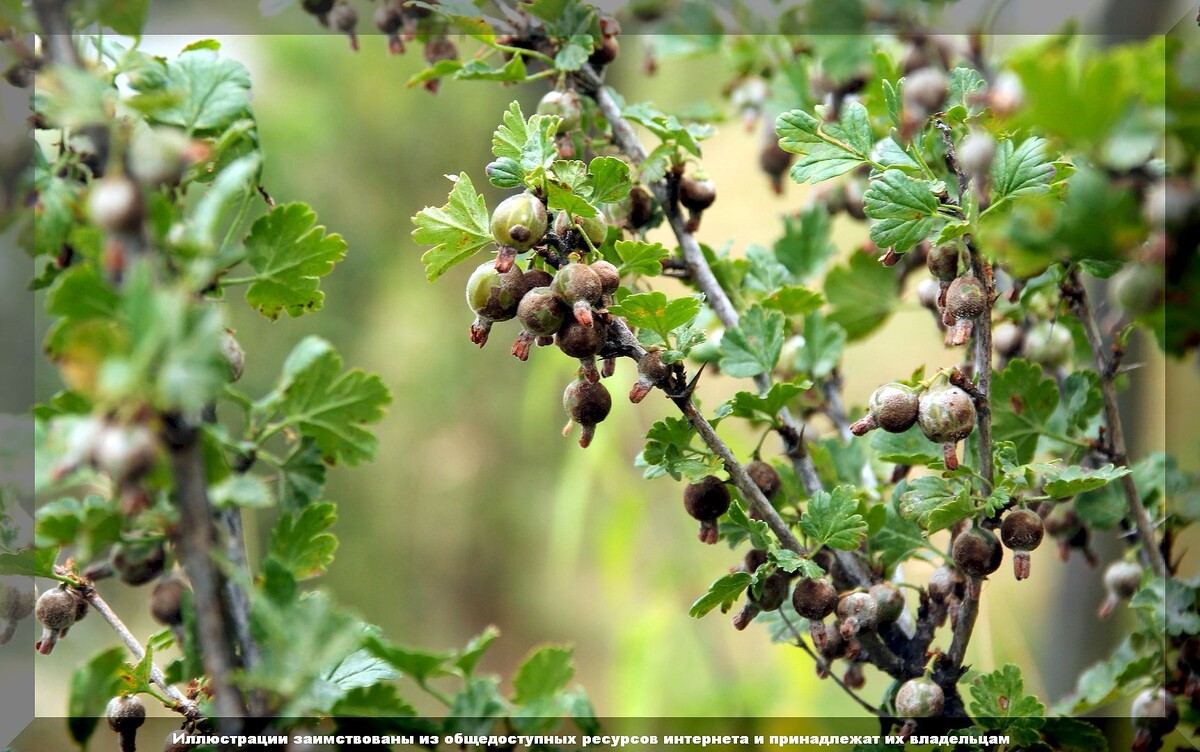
1046	227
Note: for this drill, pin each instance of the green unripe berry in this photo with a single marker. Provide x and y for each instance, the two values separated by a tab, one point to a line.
519	221
1049	344
495	295
540	312
920	698
564	104
595	228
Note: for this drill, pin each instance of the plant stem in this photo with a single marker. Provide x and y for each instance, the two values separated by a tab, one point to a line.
824	666
195	539
1150	553
183	705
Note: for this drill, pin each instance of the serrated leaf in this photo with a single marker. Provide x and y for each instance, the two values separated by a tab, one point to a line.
806	244
652	310
793	300
469	656
88	525
826	149
964	83
608	180
722	593
92	685
418	665
764	407
897	539
753	347
572	55
29	562
543	673
302	477
934	504
476	70
1073	735
375	701
358	670
790	561
759	533
457	231
863	295
302	543
1021	170
505	173
999	703
907	448
1022	403
642	258
327	405
475	706
209	92
904	208
1064	481
832	519
821	352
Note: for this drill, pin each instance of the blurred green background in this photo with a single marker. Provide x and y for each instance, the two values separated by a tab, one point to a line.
476	510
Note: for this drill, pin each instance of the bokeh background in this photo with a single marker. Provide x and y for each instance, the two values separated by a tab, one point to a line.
477	512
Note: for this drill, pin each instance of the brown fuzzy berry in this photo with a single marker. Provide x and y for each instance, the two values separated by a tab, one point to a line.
166	602
1022	532
137	564
641	207
919	698
894	407
977	552
814	599
965	299
493	296
946	414
706	500
890	601
651	372
580	341
765	476
697	195
587	404
942	262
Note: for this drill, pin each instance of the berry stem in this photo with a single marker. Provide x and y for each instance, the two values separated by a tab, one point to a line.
1150	553
183	706
822	664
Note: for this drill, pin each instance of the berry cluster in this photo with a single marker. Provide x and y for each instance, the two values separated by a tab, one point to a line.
566	308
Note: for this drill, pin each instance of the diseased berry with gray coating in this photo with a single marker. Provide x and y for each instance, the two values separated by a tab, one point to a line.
56	611
1007	339
920	698
977	552
1138	288
579	288
610	276
493	296
976	152
115	204
538	278
890	601
580	341
137	564
697	195
814	599
166	602
1121	581
651	372
519	221
125	713
587	404
595	228
1154	710
564	104
965	300
1049	344
541	312
946	414
925	90
892	407
858	612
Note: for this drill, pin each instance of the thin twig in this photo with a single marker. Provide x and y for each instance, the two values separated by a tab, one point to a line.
195	541
968	610
185	707
823	665
1150	553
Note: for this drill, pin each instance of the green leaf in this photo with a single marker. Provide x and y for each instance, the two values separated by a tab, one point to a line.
934	504
863	294
92	685
209	92
88	525
1073	735
897	539
642	258
565	18
232	183
651	310
999	703
360	669
29	562
506	173
1064	481
376	701
793	300
1021	170
302	477
572	55
765	407
290	254
668	452
1022	403
608	180
476	706
509	139
476	70
790	561
905	210
456	231
759	534
474	650
327	405
125	17
723	592
832	519
754	346
302	543
907	448
821	352
1081	402
826	149
418	665
241	491
542	674
965	82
